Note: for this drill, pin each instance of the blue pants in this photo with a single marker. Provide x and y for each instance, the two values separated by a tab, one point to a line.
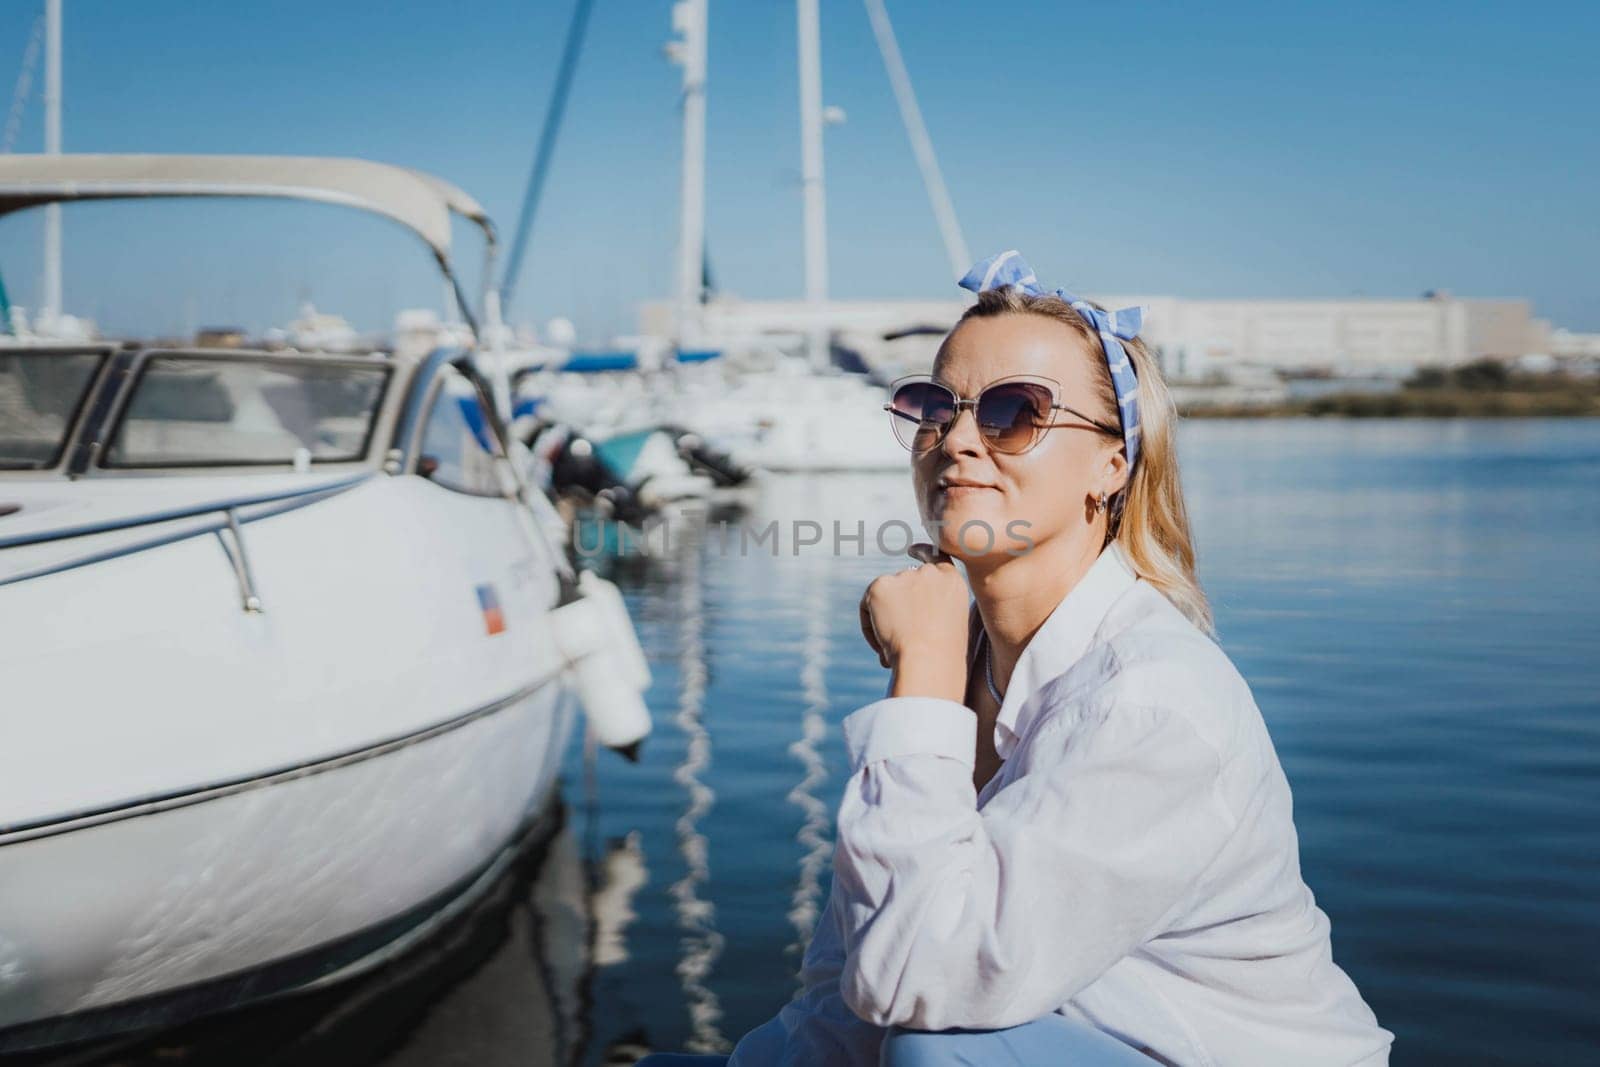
1053	1040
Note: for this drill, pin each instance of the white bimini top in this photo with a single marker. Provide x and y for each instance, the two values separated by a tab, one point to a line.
1133	865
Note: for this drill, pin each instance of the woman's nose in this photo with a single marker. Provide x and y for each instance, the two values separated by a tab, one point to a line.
963	437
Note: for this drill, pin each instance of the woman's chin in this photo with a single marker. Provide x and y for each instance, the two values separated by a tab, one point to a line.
971	522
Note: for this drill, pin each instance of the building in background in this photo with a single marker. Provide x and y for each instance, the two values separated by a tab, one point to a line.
1201	339
1196	340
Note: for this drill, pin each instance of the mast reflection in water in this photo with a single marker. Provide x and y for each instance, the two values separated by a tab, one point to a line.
702	944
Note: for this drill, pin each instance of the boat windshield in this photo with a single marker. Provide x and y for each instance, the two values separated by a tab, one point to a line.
40	394
209	411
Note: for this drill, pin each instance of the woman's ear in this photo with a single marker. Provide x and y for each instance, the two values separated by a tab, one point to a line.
1114	475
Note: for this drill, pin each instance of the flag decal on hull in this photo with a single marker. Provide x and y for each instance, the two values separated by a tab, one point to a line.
494	620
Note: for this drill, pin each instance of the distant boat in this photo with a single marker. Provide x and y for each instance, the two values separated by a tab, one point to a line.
290	651
757	410
791	418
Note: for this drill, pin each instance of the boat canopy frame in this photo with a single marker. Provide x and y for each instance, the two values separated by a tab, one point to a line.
420	202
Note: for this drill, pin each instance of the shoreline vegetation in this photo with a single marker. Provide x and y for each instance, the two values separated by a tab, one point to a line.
1483	389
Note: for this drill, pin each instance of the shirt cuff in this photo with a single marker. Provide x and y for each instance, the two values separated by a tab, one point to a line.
910	726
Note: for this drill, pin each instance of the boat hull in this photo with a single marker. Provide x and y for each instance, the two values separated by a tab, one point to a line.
175	894
192	790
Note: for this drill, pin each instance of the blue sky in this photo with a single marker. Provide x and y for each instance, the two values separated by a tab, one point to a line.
1202	150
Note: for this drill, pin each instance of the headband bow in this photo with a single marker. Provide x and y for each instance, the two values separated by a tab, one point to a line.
1009	269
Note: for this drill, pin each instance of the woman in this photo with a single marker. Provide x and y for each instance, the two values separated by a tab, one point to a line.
1066	838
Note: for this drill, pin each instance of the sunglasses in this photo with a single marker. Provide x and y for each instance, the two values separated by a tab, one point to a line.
1012	413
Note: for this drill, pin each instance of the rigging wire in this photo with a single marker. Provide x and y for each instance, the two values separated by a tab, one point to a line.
547	140
19	97
13	129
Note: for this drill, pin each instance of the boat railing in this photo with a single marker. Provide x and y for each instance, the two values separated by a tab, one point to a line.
211	516
298	494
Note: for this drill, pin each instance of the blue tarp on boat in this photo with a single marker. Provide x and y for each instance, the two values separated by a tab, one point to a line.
623	359
472	415
621	452
594	362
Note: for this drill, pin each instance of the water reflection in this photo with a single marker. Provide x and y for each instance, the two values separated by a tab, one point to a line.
813	834
702	944
622	875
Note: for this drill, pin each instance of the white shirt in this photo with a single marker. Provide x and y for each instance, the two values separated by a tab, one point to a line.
1132	865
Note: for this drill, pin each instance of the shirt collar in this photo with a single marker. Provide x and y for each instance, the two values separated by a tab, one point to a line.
1060	642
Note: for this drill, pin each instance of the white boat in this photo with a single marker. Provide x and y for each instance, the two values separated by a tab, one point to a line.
792	418
289	653
766	409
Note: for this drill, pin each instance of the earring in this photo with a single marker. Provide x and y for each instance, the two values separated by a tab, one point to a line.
1100	504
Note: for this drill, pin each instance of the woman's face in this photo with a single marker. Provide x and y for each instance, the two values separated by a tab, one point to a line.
971	490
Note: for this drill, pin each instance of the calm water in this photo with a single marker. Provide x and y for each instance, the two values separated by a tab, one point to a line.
1417	607
1416	604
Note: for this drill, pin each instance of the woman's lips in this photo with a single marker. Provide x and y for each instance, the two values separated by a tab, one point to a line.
960	492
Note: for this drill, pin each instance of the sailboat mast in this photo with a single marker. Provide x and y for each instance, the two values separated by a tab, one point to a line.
689	20
52	146
955	246
816	212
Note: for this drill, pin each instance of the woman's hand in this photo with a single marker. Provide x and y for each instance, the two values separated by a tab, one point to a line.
916	621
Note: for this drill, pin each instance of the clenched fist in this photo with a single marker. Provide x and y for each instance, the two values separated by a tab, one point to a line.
916	621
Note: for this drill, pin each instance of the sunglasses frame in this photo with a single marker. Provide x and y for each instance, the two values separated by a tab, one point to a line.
959	402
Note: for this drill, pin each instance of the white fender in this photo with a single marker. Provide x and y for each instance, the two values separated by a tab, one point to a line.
596	637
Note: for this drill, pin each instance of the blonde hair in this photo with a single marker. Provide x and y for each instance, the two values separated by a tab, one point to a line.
1147	517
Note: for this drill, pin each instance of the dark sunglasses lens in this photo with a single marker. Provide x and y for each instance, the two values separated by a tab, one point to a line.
920	411
1009	414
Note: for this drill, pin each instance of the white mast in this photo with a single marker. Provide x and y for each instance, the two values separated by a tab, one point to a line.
689	51
816	217
955	246
52	146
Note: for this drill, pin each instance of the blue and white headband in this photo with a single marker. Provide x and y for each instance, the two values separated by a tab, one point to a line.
1010	270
